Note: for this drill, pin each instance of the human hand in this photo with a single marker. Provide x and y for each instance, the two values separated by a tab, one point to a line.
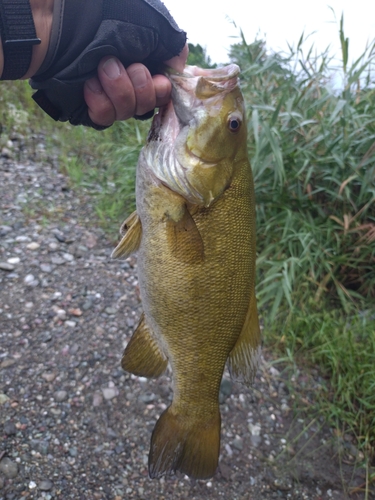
118	93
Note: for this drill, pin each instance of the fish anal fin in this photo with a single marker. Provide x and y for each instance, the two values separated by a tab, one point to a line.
178	444
131	231
185	239
244	357
142	355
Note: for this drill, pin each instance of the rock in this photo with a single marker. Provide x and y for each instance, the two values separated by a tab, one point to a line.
110	310
6	153
60	396
45	337
58	261
41	446
238	443
9	428
8	468
226	387
68	257
29	280
87	304
45	485
61	314
49	376
3	398
6	266
147	398
110	392
46	268
14	260
33	245
97	399
7	363
4	230
73	452
59	235
70	324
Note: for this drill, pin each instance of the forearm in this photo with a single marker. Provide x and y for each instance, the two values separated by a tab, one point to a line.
42	11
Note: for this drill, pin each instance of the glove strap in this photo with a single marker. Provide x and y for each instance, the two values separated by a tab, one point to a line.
18	36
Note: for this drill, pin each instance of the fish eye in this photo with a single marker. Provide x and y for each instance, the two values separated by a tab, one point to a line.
234	124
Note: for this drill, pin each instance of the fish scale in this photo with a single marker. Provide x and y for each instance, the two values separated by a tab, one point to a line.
194	229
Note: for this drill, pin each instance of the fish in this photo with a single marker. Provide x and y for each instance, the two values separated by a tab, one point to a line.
194	231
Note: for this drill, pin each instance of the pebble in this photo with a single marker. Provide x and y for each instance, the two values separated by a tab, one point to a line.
110	392
53	246
6	266
29	279
110	310
238	443
87	305
70	324
22	239
49	376
68	257
45	485
97	399
4	230
147	398
14	260
3	399
8	468
41	446
46	268
33	245
60	396
58	261
61	314
9	428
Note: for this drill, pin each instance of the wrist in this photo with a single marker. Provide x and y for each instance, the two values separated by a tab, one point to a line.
42	12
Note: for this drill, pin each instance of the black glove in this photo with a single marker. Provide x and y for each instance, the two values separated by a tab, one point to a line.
85	31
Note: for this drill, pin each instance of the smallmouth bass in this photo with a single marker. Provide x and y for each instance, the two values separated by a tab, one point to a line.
194	230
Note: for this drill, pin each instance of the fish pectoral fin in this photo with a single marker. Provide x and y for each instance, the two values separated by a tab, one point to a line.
131	231
143	356
183	444
244	357
185	239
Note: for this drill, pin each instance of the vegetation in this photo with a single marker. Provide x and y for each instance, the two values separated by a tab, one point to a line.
312	147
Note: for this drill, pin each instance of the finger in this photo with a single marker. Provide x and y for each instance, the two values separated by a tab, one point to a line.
143	86
118	87
163	90
178	62
100	108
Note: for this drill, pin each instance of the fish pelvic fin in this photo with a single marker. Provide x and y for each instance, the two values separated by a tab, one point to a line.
185	239
178	444
143	356
244	357
131	231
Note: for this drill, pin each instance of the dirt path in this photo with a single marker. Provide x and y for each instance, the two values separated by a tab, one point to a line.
73	425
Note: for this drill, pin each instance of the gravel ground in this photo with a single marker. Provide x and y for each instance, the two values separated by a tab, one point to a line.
73	425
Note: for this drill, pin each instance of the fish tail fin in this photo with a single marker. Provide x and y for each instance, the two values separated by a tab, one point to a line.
189	447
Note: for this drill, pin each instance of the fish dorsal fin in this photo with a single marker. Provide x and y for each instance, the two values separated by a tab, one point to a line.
143	356
131	231
185	239
244	357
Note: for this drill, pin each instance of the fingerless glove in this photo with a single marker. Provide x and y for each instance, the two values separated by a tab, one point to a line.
84	32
